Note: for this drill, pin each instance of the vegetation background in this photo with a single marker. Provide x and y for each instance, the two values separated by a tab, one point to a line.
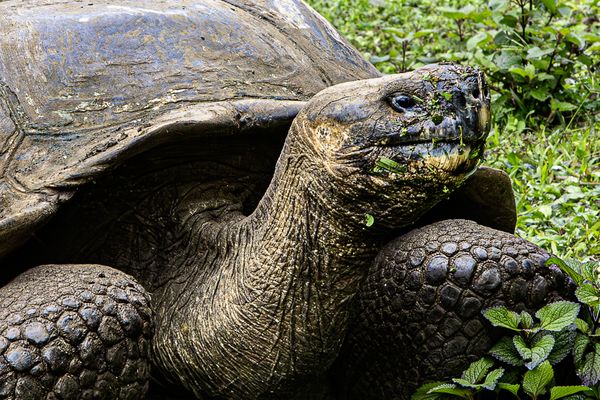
542	59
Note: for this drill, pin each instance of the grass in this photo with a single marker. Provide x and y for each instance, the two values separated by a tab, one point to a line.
552	156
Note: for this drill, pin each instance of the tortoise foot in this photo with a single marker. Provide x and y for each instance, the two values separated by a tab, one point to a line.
74	332
420	308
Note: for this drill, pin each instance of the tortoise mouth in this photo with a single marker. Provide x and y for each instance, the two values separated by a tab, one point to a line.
442	157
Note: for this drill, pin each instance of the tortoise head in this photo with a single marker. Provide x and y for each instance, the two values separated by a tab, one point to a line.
396	145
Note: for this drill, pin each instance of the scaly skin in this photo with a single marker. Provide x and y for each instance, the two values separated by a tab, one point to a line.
420	308
257	306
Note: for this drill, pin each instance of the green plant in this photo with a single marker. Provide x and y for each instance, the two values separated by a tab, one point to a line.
524	360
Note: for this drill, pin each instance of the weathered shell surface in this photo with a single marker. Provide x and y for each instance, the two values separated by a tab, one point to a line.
84	86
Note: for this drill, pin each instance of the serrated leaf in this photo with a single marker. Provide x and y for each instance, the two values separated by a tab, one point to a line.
563	343
582	326
579	347
526	319
505	351
588	369
538	353
449	388
558	392
477	370
502	317
422	392
536	380
588	294
558	315
514	388
573	273
466	384
491	380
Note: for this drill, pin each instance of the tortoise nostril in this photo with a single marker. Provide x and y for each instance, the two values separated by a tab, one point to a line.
475	93
401	102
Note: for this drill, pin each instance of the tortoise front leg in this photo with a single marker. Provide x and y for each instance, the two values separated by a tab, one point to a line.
420	308
74	332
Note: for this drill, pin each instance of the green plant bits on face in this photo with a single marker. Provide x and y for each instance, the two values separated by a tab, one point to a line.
446	95
437	119
389	165
369	220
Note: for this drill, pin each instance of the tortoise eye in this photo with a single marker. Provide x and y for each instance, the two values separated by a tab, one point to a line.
401	102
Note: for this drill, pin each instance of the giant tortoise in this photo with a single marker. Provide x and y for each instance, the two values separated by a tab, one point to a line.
193	193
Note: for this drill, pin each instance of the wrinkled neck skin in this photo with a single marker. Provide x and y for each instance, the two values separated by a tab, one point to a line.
267	307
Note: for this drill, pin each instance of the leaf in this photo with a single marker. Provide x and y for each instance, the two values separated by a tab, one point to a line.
582	325
579	347
588	294
389	165
526	320
502	317
550	5
538	353
478	39
514	388
505	351
573	273
557	105
563	344
422	392
491	380
477	370
369	220
449	388
535	53
558	392
558	315
588	369
536	380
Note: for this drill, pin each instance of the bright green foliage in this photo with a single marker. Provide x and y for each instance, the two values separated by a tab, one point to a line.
536	380
523	361
546	133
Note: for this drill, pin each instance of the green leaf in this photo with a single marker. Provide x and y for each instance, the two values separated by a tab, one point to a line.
389	165
514	388
588	369
540	94
505	351
579	347
491	380
588	294
573	273
477	370
535	53
449	388
558	315
502	317
558	392
536	380
550	5
369	220
538	353
422	392
526	320
478	39
582	325
557	105
563	344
